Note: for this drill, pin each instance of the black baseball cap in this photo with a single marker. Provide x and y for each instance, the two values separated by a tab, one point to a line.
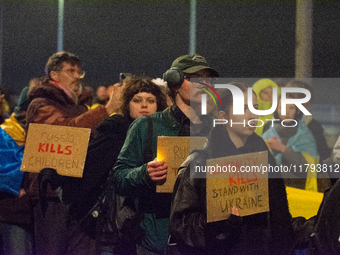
192	64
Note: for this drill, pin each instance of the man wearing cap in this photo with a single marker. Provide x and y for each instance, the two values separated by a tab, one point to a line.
59	99
136	178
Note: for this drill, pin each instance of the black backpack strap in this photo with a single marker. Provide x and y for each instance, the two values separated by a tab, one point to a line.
149	141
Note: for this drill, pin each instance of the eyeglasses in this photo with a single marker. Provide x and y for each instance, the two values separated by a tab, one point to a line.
73	72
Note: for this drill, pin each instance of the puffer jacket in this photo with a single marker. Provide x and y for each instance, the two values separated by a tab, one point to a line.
263	233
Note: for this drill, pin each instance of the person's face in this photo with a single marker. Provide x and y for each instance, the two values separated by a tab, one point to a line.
290	111
189	91
240	130
102	93
69	76
142	104
267	94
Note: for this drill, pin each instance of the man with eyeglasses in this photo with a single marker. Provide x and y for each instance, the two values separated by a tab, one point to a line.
135	177
59	99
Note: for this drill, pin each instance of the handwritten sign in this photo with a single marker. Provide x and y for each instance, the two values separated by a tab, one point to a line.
174	150
59	147
236	181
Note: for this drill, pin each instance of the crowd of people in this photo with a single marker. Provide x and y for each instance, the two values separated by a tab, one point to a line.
126	120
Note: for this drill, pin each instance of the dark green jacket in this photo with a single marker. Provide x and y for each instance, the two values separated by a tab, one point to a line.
131	178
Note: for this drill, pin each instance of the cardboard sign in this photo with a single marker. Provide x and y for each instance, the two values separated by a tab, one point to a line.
248	191
59	147
174	150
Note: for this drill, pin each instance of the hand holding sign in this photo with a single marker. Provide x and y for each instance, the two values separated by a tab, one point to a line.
247	191
157	171
234	210
235	218
174	150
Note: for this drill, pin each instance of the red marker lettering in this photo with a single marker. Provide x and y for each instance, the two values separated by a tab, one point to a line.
67	149
59	151
41	149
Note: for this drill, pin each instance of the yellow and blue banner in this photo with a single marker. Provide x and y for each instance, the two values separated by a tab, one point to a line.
12	139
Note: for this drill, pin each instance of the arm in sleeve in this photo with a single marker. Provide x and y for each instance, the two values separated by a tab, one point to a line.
188	214
188	217
130	171
280	217
101	155
50	114
289	156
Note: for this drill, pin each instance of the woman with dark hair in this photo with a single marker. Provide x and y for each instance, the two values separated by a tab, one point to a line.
140	92
293	144
140	97
263	233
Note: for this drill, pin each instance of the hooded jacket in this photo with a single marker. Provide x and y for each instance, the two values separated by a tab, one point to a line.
264	105
263	233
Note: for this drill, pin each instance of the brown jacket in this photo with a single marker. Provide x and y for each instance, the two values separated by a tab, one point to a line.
51	105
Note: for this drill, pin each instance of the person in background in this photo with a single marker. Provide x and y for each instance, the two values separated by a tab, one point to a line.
313	125
60	100
15	212
2	107
292	144
317	130
264	91
263	233
102	97
8	103
90	92
134	177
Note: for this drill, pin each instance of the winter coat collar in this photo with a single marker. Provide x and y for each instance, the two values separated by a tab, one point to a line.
176	119
48	90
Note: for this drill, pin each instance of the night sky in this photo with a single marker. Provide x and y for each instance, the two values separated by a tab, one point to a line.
239	39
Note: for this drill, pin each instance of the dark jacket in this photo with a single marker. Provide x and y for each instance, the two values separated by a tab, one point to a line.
101	155
321	143
131	178
51	105
264	233
323	150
